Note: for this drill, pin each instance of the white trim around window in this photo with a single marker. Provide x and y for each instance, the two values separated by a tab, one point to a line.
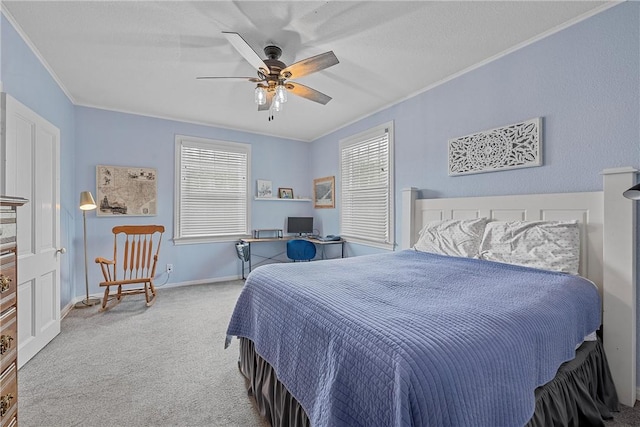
212	179
367	187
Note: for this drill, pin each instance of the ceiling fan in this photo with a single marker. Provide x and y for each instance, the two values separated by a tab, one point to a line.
273	75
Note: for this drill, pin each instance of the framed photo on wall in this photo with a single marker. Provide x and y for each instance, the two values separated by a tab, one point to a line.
265	190
324	192
285	193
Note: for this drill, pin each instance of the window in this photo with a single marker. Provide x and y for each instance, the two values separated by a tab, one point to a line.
367	199
212	194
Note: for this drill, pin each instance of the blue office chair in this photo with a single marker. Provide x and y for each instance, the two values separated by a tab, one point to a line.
300	250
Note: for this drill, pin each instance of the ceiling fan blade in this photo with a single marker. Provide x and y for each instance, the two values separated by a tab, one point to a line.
246	51
308	93
250	79
310	65
267	105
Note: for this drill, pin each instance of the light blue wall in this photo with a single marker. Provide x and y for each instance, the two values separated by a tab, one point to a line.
111	138
584	81
26	79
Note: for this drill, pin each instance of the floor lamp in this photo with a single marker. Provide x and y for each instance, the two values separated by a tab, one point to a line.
86	204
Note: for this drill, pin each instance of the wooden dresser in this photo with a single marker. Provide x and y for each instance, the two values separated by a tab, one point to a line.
8	311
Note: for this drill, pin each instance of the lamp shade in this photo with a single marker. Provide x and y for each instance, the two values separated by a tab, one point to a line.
633	193
86	201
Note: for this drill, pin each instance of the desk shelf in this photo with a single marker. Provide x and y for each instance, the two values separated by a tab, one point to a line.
250	241
276	199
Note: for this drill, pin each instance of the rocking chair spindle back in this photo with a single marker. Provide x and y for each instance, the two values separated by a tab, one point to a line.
137	265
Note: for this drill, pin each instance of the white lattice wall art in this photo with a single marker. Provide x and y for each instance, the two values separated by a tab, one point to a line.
508	147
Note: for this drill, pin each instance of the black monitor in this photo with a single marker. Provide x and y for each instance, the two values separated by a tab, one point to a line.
300	225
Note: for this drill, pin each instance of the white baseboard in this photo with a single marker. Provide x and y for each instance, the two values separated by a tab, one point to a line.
198	282
67	308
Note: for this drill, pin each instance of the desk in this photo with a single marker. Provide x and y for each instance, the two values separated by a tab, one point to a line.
321	243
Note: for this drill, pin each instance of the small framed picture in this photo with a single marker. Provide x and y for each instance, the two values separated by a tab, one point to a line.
265	190
323	192
285	193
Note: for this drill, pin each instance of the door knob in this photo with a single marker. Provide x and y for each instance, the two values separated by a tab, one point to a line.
62	251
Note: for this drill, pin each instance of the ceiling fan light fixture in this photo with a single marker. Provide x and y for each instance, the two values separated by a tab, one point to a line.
260	95
272	86
281	93
277	104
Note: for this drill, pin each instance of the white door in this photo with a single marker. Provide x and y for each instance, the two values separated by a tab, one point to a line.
32	150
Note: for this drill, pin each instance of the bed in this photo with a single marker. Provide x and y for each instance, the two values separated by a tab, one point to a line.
348	342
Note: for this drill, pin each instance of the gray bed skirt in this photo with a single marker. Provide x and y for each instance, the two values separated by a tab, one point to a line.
581	394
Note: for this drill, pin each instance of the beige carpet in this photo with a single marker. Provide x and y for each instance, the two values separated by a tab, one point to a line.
158	366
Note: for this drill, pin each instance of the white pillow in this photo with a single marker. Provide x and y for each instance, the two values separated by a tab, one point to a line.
452	237
548	245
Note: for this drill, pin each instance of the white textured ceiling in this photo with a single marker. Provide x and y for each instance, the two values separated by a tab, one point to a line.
143	57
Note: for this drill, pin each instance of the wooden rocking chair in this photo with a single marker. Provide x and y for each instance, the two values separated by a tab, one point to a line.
136	265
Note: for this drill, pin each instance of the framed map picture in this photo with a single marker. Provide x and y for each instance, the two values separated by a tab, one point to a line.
323	192
130	191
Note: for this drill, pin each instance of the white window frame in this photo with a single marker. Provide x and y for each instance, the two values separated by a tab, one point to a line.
204	143
352	235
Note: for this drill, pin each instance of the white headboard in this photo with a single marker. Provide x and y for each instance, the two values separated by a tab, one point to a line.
586	208
607	256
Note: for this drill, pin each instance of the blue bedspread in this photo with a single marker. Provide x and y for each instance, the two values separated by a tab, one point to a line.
414	339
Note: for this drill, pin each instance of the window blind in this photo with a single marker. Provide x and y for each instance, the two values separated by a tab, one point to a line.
213	189
366	187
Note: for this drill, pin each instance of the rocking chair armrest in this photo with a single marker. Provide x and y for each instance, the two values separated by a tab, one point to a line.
101	260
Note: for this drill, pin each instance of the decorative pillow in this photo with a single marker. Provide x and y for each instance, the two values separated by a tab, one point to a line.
548	245
452	237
